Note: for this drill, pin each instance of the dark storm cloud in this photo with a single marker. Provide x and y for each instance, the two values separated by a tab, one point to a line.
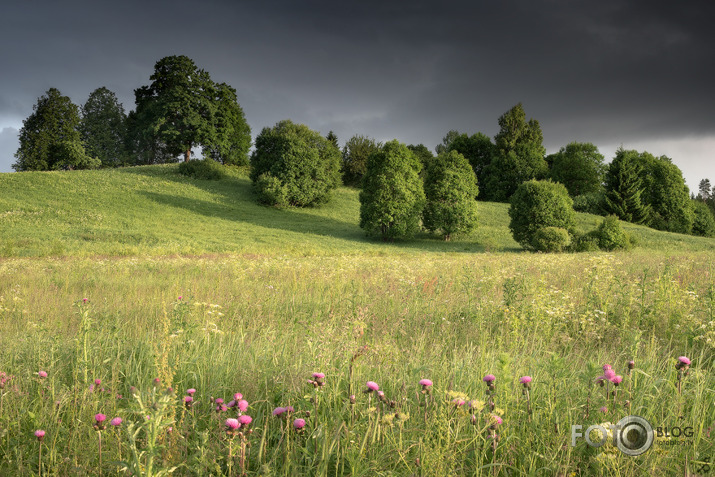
608	72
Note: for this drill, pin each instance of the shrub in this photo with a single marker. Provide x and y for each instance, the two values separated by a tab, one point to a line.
451	191
591	203
206	169
585	243
551	239
271	191
611	235
392	197
539	204
306	165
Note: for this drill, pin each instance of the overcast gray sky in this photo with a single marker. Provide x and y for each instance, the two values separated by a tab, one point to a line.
635	73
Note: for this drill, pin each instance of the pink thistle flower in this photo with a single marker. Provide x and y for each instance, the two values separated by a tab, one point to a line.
290	409
318	376
489	378
190	391
91	387
218	400
242	405
181	297
245	419
631	364
188	399
97	382
496	420
231	404
425	383
232	424
279	411
116	421
684	360
238	396
40	434
221	408
100	418
458	402
299	423
372	386
606	367
525	380
617	380
42	374
85	300
609	374
603	409
157	381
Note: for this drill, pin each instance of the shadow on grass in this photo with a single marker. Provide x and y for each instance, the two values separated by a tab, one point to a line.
236	202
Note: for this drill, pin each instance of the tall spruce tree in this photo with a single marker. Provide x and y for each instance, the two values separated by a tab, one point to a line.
624	189
49	137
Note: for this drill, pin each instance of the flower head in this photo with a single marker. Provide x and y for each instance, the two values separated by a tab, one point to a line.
242	405
525	380
489	378
617	380
603	409
232	424
100	417
425	383
238	396
97	382
372	386
496	420
116	421
190	391
684	360
631	364
40	434
218	400
42	374
318	375
606	367
245	419
299	423
609	374
279	411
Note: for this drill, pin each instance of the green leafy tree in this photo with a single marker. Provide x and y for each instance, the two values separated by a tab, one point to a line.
354	162
49	137
624	189
518	155
103	128
450	190
333	138
704	219
294	165
177	110
665	191
580	167
477	148
230	139
539	204
704	190
392	197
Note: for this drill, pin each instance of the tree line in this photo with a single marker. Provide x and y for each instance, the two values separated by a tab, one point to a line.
183	108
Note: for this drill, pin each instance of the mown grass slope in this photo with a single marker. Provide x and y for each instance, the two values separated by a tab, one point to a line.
153	210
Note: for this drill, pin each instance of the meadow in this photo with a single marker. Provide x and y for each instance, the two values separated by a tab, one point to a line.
122	290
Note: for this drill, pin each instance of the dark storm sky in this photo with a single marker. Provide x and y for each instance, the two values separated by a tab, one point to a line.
636	73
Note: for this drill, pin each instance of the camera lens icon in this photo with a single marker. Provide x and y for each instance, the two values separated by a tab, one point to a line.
634	435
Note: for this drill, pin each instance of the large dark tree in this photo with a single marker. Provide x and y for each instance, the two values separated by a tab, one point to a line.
478	149
103	127
49	137
183	108
665	191
518	155
580	167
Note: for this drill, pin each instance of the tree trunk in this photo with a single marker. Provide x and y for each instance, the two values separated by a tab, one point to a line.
187	155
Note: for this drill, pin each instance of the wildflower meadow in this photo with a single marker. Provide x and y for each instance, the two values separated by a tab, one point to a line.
386	364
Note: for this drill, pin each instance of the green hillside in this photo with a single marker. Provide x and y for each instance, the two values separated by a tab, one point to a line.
153	210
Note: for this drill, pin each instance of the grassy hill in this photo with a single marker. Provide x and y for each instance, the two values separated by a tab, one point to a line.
153	210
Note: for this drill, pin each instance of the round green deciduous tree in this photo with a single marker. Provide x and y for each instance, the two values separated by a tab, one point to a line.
539	204
450	189
392	197
293	165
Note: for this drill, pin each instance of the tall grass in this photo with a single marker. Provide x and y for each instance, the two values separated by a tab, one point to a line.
261	325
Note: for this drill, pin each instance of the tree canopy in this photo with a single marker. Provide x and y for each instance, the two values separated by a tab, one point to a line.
103	127
49	137
580	167
478	149
354	161
294	165
536	205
